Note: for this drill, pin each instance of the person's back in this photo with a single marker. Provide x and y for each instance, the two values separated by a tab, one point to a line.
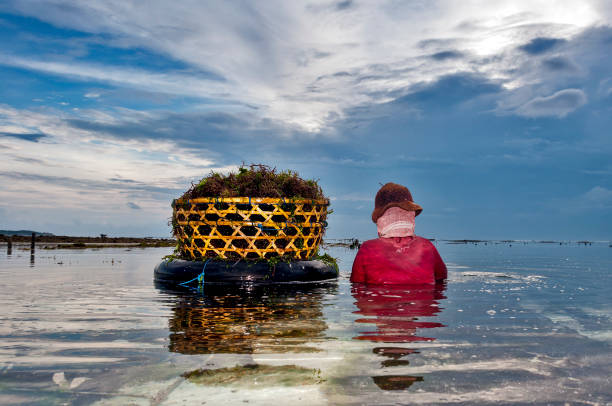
398	260
397	256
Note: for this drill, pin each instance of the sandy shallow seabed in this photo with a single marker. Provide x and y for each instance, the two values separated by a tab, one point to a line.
527	324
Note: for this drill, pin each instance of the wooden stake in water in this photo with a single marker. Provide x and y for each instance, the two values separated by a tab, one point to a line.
9	245
33	244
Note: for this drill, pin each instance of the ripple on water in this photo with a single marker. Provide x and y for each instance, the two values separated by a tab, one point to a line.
527	324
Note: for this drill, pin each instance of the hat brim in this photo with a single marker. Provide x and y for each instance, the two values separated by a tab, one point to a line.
406	205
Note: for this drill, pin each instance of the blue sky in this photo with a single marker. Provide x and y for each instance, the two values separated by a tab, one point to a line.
496	115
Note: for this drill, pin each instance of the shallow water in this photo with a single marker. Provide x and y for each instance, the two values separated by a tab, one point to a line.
521	324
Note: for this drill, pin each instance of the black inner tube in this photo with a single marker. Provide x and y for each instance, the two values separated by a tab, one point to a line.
182	272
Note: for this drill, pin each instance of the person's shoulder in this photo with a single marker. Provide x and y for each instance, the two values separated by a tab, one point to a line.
370	243
424	241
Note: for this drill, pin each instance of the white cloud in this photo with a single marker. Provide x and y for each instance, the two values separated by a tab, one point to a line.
558	104
306	64
597	197
81	170
178	84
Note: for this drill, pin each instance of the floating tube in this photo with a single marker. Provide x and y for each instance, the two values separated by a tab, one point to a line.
181	272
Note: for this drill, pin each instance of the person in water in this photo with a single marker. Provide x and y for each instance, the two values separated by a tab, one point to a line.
398	256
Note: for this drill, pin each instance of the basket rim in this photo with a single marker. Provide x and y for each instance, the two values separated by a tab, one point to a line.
249	223
248	200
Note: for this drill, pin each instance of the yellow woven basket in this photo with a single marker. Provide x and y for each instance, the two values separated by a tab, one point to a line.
249	228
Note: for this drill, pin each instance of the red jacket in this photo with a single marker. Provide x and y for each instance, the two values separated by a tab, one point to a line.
398	260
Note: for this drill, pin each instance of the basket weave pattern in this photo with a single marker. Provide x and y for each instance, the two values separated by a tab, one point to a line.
249	228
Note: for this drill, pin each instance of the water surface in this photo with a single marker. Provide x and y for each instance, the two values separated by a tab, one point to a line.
521	324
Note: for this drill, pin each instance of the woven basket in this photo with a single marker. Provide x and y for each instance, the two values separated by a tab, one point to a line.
249	228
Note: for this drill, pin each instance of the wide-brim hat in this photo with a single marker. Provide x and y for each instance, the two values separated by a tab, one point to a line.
394	195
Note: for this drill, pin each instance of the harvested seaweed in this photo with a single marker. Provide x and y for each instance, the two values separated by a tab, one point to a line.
256	180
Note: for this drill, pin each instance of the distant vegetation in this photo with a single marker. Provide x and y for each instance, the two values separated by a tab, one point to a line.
23	233
50	241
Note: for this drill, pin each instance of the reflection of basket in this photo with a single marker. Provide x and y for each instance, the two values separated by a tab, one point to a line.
281	326
250	228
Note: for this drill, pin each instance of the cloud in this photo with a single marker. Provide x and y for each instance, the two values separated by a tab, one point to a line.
541	45
444	55
90	185
597	197
559	63
172	83
558	104
133	206
270	55
34	137
222	137
28	160
450	90
345	4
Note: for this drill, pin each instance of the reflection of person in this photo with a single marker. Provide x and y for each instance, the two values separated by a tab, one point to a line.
392	314
395	311
398	256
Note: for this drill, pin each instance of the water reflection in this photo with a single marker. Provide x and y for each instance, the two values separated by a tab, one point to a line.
248	319
393	316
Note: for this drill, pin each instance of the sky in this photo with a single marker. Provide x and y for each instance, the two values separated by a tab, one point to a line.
497	115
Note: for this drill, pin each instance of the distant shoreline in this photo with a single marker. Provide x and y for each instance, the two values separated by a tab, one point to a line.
73	242
64	241
355	243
